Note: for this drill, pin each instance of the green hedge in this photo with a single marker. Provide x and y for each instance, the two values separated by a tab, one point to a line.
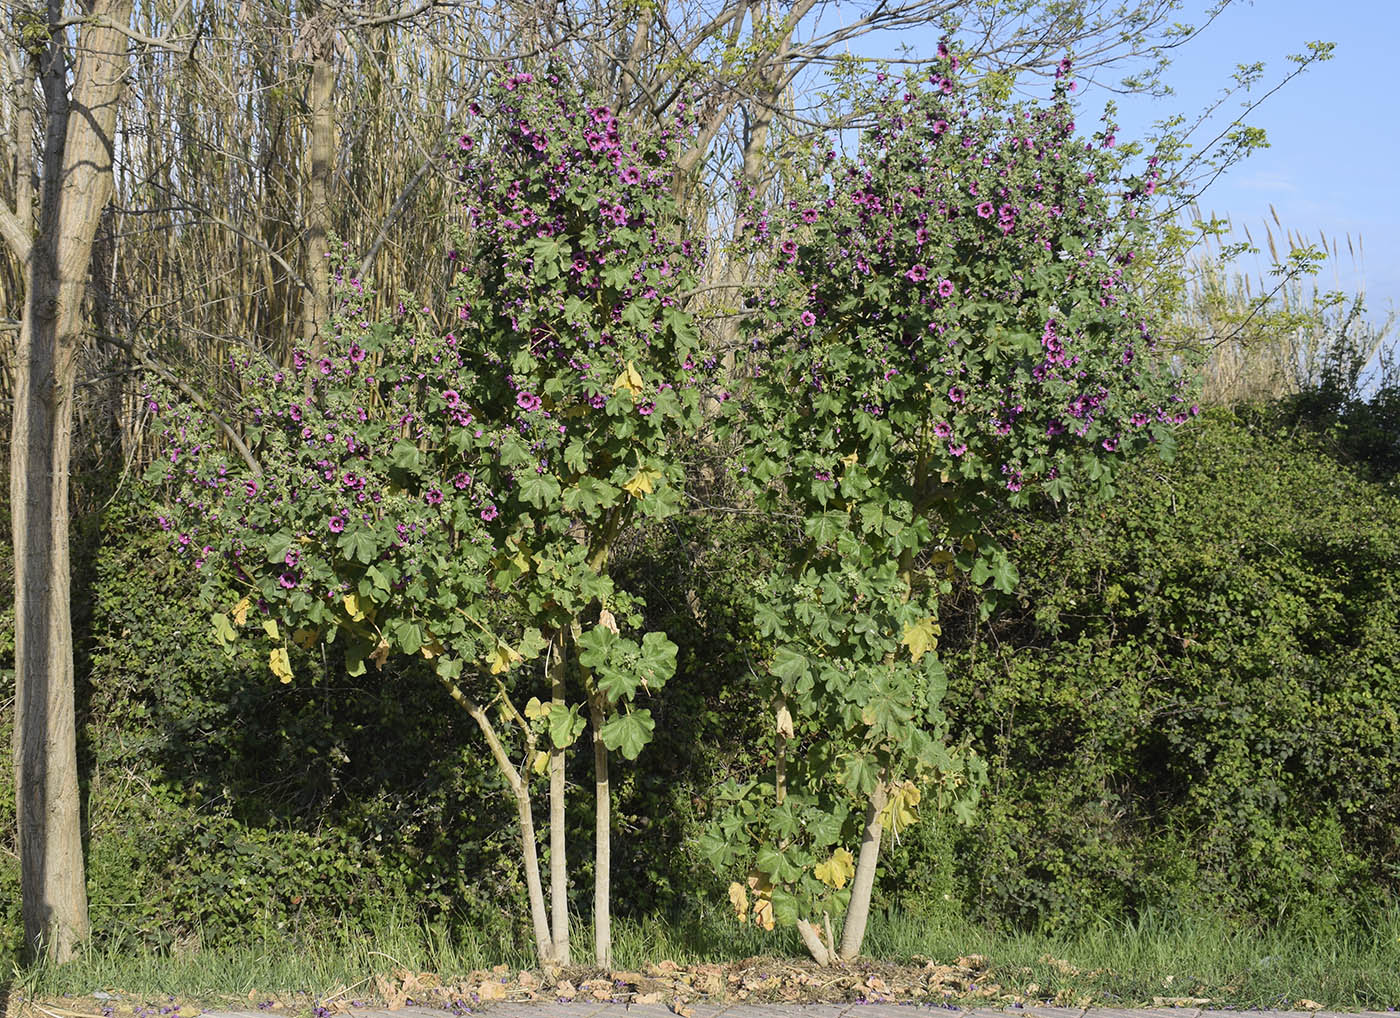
1193	703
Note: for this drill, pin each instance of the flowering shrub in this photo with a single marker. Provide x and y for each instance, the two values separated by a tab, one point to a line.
447	481
948	323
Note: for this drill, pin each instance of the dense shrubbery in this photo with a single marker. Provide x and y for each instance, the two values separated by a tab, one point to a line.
1194	702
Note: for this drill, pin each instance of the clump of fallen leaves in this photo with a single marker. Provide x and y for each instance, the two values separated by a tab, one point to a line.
755	980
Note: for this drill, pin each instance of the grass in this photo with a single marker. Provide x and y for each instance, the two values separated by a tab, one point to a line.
1154	960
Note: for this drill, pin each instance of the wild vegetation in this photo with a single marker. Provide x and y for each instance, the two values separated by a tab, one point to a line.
858	503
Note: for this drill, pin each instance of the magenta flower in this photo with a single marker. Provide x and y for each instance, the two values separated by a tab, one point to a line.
433	497
527	401
357	352
288	580
325	365
917	274
809	215
336	524
956	394
984	210
957	450
630	175
809	319
946	288
452	397
460	481
939	126
943	429
489	513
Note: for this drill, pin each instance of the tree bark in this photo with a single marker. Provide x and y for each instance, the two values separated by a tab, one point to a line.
813	941
558	850
317	299
534	889
602	840
858	913
76	176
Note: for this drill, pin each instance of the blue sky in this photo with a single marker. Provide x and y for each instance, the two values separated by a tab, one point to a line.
1333	165
1334	132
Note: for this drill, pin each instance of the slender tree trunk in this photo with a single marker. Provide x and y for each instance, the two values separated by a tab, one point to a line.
525	813
602	840
558	857
813	941
76	184
858	912
316	302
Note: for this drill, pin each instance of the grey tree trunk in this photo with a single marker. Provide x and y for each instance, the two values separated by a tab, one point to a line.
858	912
558	851
76	182
316	299
602	841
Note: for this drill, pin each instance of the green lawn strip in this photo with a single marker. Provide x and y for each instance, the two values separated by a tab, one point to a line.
1157	962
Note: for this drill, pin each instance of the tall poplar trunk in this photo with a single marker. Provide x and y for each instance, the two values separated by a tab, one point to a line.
76	182
316	300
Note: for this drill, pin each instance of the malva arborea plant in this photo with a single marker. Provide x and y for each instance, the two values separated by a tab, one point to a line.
947	322
447	480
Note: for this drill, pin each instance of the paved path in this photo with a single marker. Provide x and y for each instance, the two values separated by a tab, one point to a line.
744	1010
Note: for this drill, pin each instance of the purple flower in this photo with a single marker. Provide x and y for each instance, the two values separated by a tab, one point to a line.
288	579
433	497
808	319
452	397
939	126
943	429
956	394
357	352
335	524
489	513
630	175
985	210
325	365
917	274
646	409
809	215
957	450
946	288
527	401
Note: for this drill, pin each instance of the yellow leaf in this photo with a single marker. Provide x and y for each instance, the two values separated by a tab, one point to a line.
240	612
630	379
534	709
642	482
431	649
784	720
762	889
305	638
837	870
270	628
922	636
541	762
739	898
503	658
353	608
899	811
763	912
280	665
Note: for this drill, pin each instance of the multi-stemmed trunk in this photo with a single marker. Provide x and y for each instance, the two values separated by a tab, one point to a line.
81	98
